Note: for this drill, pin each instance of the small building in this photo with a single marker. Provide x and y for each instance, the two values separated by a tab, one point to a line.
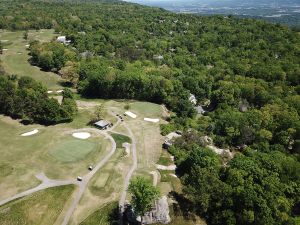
102	124
63	40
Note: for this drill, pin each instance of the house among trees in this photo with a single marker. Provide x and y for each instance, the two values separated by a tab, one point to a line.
103	124
63	40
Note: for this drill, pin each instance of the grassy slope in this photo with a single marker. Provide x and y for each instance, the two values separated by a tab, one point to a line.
40	208
107	215
15	59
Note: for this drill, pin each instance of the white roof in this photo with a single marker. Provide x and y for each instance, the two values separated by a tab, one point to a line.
102	123
61	38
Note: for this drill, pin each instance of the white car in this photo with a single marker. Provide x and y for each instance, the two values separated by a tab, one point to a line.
79	178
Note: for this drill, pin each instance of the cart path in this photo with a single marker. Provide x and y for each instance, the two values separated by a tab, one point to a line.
129	175
46	183
85	179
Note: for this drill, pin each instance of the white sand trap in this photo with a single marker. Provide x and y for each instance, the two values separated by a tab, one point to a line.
49	92
27	46
35	131
161	167
59	91
81	135
132	115
4	49
151	120
4	40
20	53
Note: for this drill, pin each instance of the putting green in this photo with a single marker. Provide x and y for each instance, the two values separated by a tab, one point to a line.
73	150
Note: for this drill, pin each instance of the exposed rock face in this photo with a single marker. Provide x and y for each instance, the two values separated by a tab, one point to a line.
160	214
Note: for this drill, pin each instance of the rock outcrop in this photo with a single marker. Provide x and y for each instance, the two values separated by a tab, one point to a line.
160	213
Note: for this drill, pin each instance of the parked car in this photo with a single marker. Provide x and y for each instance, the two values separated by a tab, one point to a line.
91	167
79	178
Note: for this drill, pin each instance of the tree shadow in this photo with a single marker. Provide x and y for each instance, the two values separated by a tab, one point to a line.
183	207
114	216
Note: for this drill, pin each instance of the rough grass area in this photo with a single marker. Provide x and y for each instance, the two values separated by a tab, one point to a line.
101	181
165	160
42	207
107	215
5	170
15	59
120	139
73	150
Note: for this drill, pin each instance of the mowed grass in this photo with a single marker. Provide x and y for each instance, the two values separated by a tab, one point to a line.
73	150
146	109
42	207
24	157
107	215
120	139
15	58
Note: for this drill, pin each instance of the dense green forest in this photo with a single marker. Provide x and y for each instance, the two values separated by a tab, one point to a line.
245	72
28	100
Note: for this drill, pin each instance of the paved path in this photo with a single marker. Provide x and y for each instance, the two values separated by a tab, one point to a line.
46	183
129	174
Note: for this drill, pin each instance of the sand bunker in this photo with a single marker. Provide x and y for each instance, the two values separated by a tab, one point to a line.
4	49
20	53
151	120
81	135
130	114
59	91
35	131
161	167
27	46
49	92
4	40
